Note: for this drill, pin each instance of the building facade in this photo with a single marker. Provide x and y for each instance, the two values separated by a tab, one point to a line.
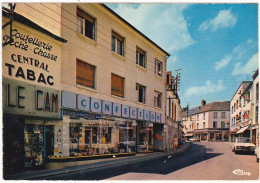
189	121
212	122
239	108
79	82
31	63
113	85
244	115
173	111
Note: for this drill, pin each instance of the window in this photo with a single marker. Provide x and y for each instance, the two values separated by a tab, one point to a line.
204	115
257	91
204	125
117	85
198	117
222	124
223	115
140	93
248	97
85	74
215	124
190	118
215	115
256	114
157	99
232	110
86	24
197	125
158	68
140	57
117	43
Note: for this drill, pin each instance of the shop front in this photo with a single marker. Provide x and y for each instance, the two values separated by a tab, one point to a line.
30	115
94	127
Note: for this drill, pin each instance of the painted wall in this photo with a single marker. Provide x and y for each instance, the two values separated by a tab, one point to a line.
99	54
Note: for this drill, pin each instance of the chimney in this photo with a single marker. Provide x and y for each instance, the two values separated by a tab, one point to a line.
203	102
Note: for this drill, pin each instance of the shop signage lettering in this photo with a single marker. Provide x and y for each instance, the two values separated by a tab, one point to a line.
133	112
140	114
29	75
95	105
158	117
27	99
23	41
85	103
125	111
50	101
116	109
146	115
81	114
106	107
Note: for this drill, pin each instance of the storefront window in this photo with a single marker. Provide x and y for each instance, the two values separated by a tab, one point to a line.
33	143
145	137
103	136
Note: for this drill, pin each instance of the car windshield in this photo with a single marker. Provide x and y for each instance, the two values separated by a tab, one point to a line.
243	140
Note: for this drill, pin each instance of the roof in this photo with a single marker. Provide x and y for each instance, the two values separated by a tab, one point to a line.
114	13
191	111
242	83
246	89
215	106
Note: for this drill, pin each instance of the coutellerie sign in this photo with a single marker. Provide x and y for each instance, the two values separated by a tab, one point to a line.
32	57
31	100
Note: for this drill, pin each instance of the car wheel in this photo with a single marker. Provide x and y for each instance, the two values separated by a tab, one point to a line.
257	159
235	152
232	150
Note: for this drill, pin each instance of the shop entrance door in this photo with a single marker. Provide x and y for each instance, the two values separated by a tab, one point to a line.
49	136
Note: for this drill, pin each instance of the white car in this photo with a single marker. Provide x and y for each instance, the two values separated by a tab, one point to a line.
243	144
193	139
257	153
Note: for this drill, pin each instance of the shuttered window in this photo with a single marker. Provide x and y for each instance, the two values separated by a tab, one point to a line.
85	74
140	57
117	85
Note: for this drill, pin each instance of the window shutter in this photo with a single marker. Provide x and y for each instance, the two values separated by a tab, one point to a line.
85	74
84	15
117	85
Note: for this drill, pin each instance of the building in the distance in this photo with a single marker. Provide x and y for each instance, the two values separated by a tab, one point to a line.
240	107
244	111
189	120
173	110
212	122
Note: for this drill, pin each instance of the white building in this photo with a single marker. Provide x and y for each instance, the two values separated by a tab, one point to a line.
240	106
212	121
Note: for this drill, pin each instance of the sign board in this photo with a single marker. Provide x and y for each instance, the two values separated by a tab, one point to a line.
32	100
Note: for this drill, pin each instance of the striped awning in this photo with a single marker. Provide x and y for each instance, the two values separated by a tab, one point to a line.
242	129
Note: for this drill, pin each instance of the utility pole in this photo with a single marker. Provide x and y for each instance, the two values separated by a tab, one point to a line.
11	15
177	79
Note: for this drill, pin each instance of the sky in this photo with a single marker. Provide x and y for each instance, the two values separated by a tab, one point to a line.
215	45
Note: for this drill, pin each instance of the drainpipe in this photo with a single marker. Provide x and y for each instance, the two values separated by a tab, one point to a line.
165	102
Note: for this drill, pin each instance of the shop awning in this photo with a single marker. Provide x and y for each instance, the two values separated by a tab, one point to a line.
188	135
242	129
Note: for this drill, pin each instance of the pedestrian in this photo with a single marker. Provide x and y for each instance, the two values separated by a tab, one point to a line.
175	142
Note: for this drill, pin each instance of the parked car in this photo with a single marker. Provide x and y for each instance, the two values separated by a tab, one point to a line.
257	154
243	144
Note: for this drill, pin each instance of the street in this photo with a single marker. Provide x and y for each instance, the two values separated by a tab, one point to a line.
202	161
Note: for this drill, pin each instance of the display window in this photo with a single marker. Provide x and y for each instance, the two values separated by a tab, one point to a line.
104	136
158	137
145	137
33	143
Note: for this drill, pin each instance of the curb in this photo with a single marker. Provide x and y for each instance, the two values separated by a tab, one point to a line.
94	165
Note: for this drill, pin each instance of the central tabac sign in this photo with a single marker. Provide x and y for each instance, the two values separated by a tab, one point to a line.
32	56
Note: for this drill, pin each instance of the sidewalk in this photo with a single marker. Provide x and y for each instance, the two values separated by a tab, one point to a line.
69	167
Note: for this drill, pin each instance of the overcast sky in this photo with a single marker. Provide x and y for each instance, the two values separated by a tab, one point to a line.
215	45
